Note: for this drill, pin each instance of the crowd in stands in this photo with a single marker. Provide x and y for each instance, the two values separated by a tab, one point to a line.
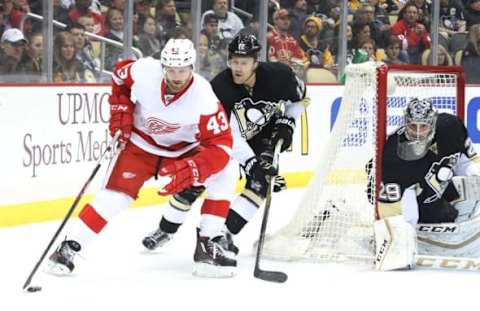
302	33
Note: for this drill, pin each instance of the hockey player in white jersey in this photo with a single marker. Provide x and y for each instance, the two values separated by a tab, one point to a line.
264	102
173	125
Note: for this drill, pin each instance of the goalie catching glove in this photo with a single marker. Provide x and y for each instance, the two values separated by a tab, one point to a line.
283	129
184	174
121	117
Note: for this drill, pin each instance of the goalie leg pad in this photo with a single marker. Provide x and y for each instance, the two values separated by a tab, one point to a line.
395	244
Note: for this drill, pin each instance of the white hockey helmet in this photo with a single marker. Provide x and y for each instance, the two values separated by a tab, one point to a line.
178	53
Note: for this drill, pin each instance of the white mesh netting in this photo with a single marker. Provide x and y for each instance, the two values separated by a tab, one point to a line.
334	220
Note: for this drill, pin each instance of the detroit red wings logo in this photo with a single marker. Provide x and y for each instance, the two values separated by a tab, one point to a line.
159	127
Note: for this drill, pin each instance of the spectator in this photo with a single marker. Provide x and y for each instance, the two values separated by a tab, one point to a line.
310	41
315	7
451	18
472	13
361	32
211	62
253	27
381	13
229	23
414	35
353	5
2	19
81	8
12	46
88	22
60	13
210	29
115	24
144	7
350	44
366	15
83	49
443	58
12	14
147	40
392	51
31	62
94	6
283	47
297	18
66	68
368	45
167	19
471	55
117	4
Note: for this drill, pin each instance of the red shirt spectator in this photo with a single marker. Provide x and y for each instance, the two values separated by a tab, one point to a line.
283	47
411	32
82	8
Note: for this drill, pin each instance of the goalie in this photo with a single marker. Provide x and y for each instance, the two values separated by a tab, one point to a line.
429	176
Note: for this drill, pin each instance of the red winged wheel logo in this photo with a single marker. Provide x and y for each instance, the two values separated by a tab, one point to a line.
160	127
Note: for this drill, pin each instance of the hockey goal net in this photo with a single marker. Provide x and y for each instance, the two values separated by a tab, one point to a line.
334	221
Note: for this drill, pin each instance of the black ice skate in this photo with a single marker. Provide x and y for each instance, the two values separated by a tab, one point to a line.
156	239
61	261
226	242
210	259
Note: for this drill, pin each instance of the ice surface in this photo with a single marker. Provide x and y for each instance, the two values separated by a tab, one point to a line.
118	275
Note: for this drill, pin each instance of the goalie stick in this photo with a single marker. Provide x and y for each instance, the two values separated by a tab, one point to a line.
267	275
68	215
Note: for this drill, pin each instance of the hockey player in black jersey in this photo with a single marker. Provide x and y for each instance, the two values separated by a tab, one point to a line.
422	157
264	102
420	166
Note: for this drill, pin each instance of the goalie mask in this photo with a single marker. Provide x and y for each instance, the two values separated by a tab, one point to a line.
420	121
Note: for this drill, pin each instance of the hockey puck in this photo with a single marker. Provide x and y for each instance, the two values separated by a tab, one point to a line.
33	289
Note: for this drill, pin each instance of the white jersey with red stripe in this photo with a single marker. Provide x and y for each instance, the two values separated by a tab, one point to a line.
167	125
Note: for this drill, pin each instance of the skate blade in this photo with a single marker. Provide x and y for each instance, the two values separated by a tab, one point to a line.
205	270
57	269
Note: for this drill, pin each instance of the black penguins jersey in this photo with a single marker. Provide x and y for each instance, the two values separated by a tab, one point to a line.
257	109
431	173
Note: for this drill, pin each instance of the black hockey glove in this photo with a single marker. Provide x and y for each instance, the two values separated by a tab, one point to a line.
283	129
258	169
279	183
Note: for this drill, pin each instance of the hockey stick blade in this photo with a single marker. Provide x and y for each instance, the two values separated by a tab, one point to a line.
270	276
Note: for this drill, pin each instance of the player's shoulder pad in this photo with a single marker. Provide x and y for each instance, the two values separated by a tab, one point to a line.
146	67
221	79
209	101
282	78
276	70
450	124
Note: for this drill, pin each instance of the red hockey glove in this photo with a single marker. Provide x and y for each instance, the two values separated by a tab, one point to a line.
184	174
121	117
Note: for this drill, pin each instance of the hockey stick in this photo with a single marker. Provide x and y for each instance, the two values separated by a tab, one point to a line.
67	216
266	275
